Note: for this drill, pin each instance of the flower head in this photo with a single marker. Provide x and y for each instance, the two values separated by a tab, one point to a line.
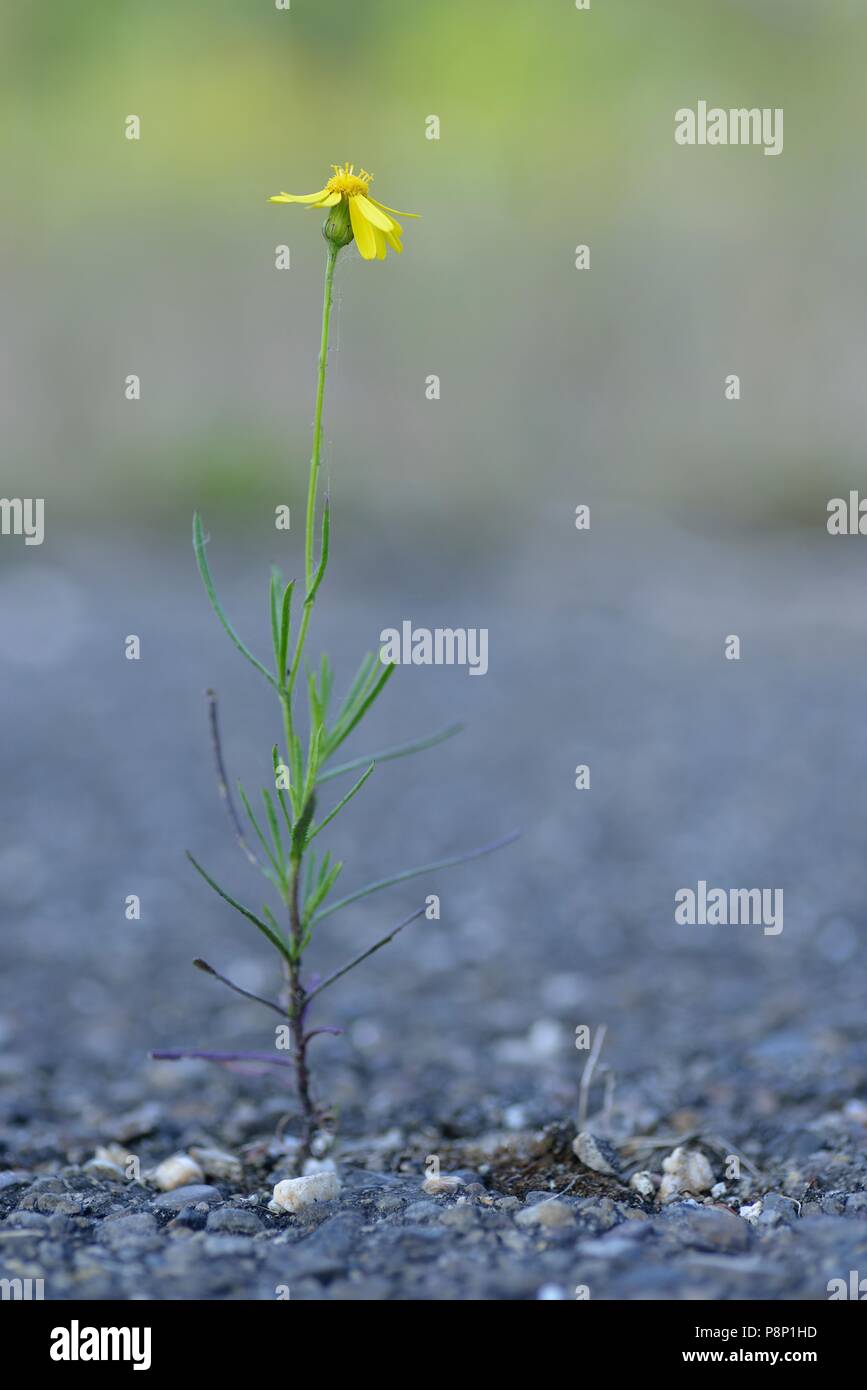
355	215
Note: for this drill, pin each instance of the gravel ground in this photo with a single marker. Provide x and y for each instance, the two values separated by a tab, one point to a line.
459	1042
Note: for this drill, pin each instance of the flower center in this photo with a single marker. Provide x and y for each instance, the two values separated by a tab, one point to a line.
347	182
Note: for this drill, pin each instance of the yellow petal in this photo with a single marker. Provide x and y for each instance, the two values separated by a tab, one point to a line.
299	197
364	234
397	212
373	213
393	238
329	202
380	244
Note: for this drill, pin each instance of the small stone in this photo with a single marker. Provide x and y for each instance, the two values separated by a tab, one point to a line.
393	1201
459	1218
51	1202
718	1189
752	1213
443	1185
234	1221
143	1120
14	1177
295	1194
685	1170
477	1192
178	1171
101	1168
643	1184
216	1163
421	1211
180	1197
189	1218
118	1154
777	1209
543	1042
716	1228
596	1153
550	1215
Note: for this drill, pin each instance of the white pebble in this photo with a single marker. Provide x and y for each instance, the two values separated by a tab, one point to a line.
643	1184
177	1171
593	1154
444	1184
294	1194
752	1213
685	1170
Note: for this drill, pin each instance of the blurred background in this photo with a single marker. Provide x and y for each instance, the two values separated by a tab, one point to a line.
558	387
157	256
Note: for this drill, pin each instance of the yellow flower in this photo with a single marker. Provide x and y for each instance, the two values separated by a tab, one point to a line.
373	226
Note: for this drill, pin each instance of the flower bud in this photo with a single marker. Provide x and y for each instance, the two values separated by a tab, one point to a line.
338	227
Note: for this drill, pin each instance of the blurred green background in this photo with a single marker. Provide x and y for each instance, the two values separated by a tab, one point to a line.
156	257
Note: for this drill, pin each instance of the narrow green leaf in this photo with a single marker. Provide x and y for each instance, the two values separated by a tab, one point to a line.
314	701
275	937
199	548
326	677
281	795
260	835
360	680
323	554
309	874
400	750
302	825
341	733
272	821
340	805
285	628
297	767
314	755
275	926
414	873
320	893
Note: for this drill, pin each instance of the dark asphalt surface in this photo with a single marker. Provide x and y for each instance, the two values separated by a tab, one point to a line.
605	649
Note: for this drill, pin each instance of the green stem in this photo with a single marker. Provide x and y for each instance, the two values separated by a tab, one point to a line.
288	686
317	418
